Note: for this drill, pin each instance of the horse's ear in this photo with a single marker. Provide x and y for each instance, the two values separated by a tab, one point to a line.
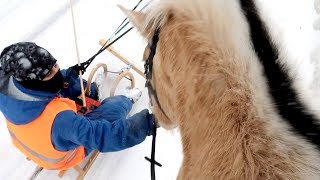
136	18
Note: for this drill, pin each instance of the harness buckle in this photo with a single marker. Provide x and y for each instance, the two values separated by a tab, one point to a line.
127	68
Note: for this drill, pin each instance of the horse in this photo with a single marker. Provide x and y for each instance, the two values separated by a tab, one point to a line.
216	72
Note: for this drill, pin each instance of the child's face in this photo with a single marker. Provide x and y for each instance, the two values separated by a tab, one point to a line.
52	72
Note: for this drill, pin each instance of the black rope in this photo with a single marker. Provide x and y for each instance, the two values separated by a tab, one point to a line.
121	26
152	160
85	64
118	30
89	61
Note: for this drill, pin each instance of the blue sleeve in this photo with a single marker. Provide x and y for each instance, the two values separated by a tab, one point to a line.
106	129
74	88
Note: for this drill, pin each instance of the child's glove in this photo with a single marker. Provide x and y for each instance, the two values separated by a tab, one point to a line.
133	94
78	68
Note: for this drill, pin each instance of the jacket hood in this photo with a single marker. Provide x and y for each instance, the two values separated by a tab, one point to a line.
20	105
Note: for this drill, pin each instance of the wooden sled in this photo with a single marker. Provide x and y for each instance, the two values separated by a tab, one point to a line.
83	171
93	156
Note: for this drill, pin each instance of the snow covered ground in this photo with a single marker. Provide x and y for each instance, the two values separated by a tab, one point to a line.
49	24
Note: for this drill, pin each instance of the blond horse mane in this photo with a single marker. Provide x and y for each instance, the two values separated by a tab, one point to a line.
210	85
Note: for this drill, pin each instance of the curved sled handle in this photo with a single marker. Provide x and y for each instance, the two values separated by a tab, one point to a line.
94	70
121	76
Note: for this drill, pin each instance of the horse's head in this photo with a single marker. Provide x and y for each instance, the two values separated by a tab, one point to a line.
184	77
162	88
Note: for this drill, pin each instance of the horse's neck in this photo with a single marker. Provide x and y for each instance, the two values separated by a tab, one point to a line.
216	106
215	112
221	129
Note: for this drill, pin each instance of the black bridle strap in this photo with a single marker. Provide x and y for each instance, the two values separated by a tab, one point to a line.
153	50
148	70
86	64
152	91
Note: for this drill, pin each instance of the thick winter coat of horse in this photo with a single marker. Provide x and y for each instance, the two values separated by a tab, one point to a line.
220	76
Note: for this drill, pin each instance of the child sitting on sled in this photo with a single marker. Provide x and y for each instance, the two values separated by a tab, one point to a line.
42	118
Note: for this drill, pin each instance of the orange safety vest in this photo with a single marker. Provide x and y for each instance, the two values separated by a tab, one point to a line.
34	139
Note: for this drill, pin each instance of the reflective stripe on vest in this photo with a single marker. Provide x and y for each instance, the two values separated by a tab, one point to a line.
47	159
34	139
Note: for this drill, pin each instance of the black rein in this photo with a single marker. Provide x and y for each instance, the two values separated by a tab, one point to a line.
151	91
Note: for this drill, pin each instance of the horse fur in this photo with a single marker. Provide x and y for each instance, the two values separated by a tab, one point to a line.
210	85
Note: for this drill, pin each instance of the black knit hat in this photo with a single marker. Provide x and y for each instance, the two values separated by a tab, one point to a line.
26	61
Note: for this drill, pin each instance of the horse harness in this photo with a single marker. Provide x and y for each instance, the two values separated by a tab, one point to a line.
148	70
152	92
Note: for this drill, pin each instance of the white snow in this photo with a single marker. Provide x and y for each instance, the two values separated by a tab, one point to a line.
317	8
49	24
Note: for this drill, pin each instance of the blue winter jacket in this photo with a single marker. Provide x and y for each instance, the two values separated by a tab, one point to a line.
106	129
